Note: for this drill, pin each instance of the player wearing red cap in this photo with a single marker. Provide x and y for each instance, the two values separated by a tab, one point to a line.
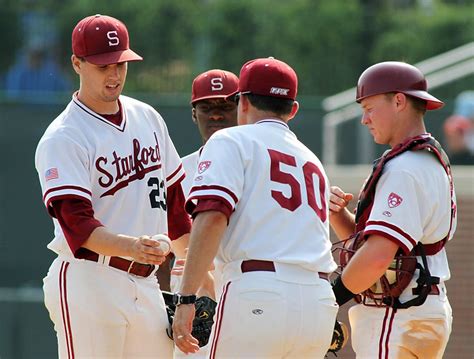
396	258
259	200
211	111
110	177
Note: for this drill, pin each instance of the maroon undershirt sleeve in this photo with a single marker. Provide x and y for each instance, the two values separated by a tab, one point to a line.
204	205
76	218
179	222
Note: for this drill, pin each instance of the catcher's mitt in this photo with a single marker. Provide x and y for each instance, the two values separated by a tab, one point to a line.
203	319
340	337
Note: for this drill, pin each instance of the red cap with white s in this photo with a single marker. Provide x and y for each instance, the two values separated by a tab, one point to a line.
214	84
102	40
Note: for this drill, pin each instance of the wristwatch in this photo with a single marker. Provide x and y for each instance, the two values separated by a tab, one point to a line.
179	299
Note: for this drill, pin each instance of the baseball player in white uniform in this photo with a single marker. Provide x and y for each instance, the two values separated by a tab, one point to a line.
110	178
260	201
211	111
406	208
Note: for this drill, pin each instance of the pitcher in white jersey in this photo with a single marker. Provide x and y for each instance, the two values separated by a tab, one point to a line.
260	203
405	215
110	177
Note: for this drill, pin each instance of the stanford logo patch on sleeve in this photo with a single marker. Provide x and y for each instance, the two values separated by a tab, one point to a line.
203	166
394	200
51	174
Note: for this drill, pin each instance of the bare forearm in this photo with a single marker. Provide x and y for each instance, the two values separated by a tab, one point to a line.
142	249
107	243
343	223
206	233
369	263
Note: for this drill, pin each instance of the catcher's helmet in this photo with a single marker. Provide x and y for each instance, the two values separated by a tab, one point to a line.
392	76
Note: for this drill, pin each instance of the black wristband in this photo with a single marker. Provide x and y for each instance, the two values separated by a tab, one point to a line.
343	295
179	299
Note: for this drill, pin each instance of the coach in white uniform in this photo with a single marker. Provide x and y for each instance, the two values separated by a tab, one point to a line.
406	208
110	177
260	201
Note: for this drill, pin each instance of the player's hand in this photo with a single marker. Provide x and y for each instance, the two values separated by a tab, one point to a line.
338	200
146	250
182	328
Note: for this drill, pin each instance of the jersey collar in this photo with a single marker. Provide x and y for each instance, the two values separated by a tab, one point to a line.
120	127
271	120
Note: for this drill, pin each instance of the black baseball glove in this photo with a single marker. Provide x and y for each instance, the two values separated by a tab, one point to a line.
203	319
340	336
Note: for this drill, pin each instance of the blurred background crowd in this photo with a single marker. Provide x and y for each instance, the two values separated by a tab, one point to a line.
328	43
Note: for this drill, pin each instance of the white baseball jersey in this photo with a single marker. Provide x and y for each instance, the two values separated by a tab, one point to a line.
120	169
265	164
412	204
277	192
190	163
124	171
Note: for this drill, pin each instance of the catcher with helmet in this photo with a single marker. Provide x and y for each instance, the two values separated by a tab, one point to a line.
394	263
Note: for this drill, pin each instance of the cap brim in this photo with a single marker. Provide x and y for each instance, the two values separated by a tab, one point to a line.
230	96
225	97
432	103
114	57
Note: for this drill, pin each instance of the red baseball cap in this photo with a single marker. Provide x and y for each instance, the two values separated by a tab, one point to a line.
268	77
102	40
214	84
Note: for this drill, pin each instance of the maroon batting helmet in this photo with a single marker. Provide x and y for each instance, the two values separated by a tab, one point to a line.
392	76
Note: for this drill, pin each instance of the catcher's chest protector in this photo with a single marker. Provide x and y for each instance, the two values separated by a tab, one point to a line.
405	264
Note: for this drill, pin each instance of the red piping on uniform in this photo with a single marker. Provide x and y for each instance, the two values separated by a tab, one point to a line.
218	321
66	187
383	331
65	310
392	227
174	173
387	339
179	180
218	188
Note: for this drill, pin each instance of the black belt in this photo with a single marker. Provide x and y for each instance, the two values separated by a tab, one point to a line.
254	265
139	269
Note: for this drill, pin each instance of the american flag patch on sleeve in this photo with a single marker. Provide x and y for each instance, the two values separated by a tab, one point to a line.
51	174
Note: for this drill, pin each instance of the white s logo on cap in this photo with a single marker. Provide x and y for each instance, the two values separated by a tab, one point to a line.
112	36
216	83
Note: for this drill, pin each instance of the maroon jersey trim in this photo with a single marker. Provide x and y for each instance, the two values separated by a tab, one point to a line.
215	187
83	107
393	228
123	184
60	188
174	173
